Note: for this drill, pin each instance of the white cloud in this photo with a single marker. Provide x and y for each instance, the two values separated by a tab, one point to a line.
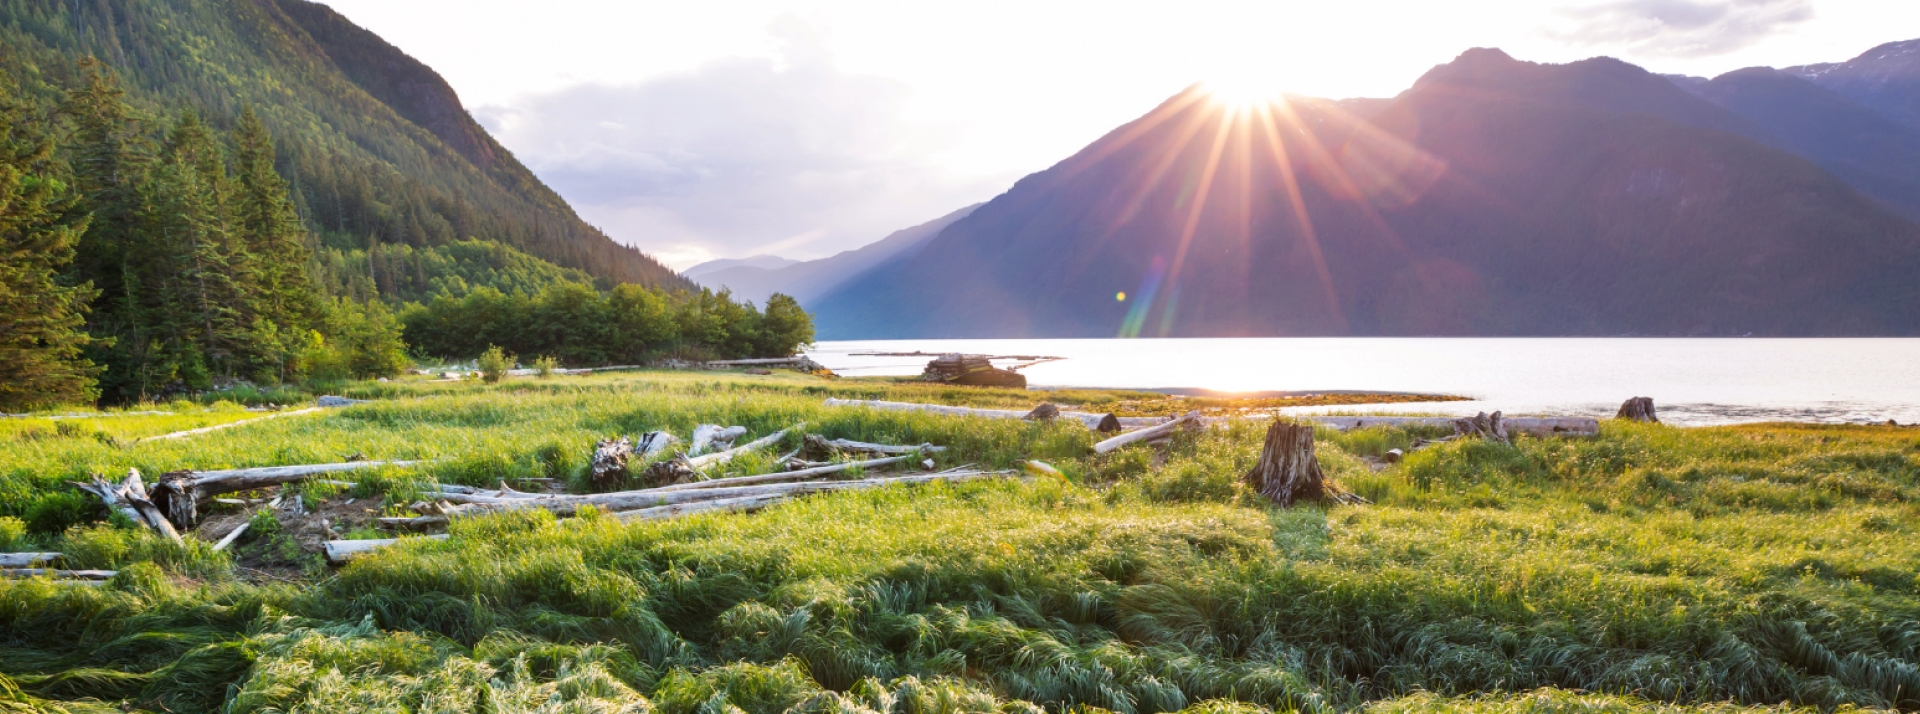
1681	28
739	155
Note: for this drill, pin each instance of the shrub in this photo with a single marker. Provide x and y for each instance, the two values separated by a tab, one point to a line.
494	364
545	366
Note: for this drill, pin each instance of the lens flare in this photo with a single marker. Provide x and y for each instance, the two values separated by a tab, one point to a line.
1241	92
1120	296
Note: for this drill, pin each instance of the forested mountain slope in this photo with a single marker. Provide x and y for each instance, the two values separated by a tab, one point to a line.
1495	197
376	146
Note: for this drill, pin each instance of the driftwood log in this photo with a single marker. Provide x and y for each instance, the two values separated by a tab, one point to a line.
1045	412
230	425
341	551
129	498
712	437
1638	409
1491	427
1187	420
654	443
723	505
57	574
1288	472
821	447
1537	426
609	460
26	560
704	461
180	493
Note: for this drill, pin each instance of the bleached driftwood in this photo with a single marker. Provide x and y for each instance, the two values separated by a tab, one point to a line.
341	551
1537	426
740	504
129	497
651	498
229	425
180	493
26	560
816	444
701	462
654	442
610	458
1187	420
800	475
58	574
234	534
1638	409
712	436
1491	427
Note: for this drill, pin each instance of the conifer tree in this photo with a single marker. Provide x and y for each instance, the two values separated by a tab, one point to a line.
110	157
41	316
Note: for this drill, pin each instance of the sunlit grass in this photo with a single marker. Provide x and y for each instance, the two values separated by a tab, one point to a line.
1647	566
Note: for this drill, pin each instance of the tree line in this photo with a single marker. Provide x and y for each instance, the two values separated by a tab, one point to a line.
630	324
144	258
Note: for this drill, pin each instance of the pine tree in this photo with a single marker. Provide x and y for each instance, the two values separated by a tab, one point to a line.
110	158
41	317
269	224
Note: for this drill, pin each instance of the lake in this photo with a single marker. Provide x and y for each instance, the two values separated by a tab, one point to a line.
1693	382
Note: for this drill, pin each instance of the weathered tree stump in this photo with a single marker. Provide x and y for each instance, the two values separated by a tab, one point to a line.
669	472
1045	412
1483	425
1109	424
610	459
1288	472
1638	409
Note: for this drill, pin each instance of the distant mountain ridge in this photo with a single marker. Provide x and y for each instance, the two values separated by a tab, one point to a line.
806	281
1495	197
761	262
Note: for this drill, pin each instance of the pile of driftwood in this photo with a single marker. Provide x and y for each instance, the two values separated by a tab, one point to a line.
32	565
972	371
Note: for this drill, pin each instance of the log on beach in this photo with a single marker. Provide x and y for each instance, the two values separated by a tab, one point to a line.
129	498
1188	420
26	560
341	551
180	493
58	574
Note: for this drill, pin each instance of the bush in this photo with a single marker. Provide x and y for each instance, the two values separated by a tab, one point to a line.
494	364
545	366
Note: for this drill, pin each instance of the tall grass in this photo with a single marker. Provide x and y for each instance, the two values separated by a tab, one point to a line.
1708	570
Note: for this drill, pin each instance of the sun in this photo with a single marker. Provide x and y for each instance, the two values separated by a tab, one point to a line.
1241	92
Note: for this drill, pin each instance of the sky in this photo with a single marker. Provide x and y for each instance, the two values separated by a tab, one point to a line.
725	129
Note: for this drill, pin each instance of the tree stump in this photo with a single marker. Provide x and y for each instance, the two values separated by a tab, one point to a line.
1045	412
1288	472
1638	409
610	459
1483	425
1109	424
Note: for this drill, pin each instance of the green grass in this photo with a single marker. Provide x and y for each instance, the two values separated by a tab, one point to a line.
1690	570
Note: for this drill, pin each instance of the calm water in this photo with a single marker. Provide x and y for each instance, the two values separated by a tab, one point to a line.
1692	381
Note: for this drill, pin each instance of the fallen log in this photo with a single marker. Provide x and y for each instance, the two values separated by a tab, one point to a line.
1537	426
26	560
609	460
1288	472
701	462
711	436
341	551
180	493
229	425
129	497
654	442
782	476
58	574
1486	426
650	498
1638	409
724	505
818	445
1187	420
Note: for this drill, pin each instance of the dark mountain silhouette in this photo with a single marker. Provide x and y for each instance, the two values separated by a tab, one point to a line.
808	280
1495	197
1886	78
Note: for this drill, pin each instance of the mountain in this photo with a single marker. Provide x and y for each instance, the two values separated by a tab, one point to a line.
377	147
756	262
1886	78
1855	142
807	281
1494	197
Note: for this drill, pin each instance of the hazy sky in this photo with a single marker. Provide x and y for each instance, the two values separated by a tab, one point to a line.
699	130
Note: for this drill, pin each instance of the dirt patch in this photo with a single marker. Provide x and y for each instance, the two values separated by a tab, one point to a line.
288	546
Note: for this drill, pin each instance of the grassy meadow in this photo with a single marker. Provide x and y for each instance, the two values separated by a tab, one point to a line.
1724	569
